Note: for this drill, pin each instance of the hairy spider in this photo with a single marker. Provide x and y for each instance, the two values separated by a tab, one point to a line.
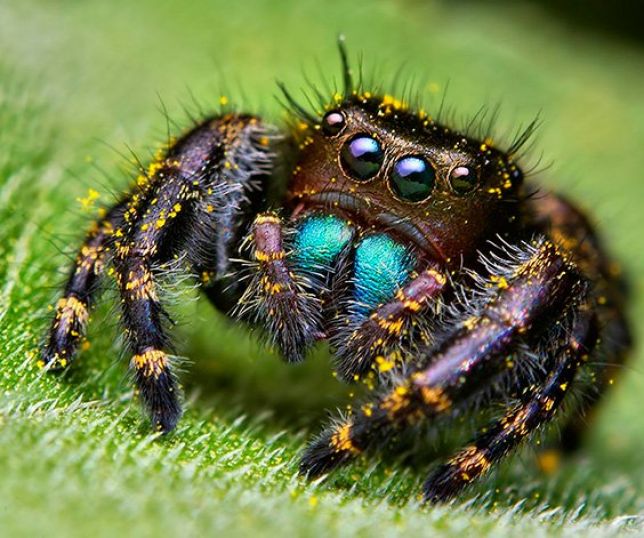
419	252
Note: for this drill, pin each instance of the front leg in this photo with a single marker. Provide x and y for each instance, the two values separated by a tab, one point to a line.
520	302
187	206
285	294
376	341
205	174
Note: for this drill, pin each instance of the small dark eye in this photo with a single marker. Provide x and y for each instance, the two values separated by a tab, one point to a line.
413	179
463	179
362	157
333	122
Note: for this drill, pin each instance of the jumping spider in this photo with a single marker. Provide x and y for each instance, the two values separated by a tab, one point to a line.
420	253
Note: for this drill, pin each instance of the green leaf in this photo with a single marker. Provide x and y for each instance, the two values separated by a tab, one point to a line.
81	82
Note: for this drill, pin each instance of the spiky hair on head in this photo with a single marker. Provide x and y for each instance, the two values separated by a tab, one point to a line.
402	98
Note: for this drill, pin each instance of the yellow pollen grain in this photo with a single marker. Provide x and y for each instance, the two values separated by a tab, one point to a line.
500	281
263	256
155	166
549	461
273	288
383	364
396	401
267	219
437	276
435	398
471	322
87	202
393	327
392	102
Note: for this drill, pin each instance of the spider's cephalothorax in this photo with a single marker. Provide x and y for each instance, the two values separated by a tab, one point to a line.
416	250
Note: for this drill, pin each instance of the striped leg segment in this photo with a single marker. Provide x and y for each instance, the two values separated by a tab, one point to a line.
72	309
153	225
570	228
278	298
144	319
536	409
195	190
188	206
538	286
377	340
616	342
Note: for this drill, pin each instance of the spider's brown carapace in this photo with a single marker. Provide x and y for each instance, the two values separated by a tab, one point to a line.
419	252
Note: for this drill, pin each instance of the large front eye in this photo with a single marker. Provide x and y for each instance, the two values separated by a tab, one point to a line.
361	157
412	179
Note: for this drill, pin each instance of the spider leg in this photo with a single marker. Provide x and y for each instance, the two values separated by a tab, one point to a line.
568	226
72	309
380	335
143	316
616	342
520	303
184	207
210	169
285	293
537	407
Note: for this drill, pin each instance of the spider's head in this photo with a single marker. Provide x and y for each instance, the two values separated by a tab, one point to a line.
385	166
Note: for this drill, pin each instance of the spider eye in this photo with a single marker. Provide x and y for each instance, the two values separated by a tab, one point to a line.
362	157
463	179
412	179
333	122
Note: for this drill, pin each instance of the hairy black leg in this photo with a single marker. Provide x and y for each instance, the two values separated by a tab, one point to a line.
72	309
537	407
211	168
614	346
569	228
279	298
151	226
537	287
377	340
221	222
185	207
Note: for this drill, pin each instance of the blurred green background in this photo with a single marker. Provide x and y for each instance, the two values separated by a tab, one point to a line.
82	83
